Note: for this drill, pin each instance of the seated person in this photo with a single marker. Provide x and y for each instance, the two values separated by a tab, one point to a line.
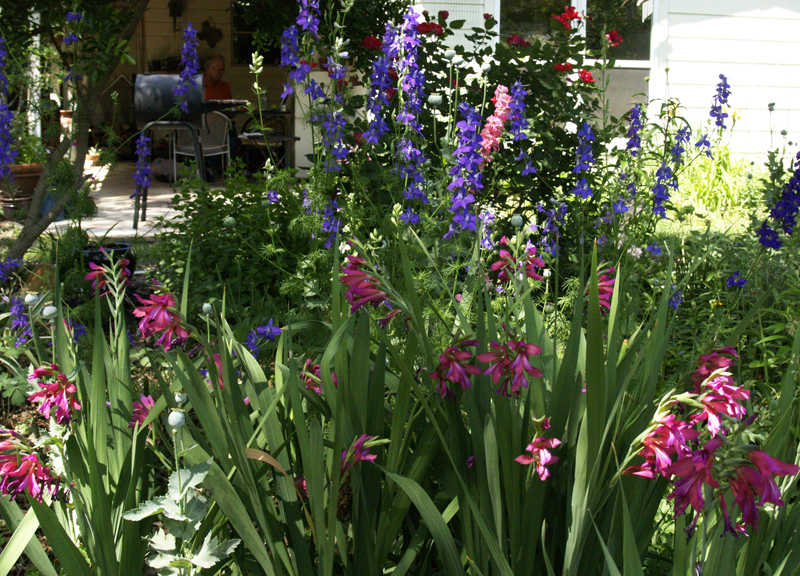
215	87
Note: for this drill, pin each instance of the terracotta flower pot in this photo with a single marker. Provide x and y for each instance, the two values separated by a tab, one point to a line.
26	177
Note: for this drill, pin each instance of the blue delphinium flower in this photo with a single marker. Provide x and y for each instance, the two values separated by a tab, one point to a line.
768	237
518	124
78	329
634	140
654	249
333	128
330	223
409	217
272	196
487	218
308	19
7	267
704	142
720	100
681	138
377	100
664	178
584	150
70	38
265	333
550	231
736	280
143	173
676	299
467	177
7	154
784	213
73	16
19	320
190	66
584	160
620	206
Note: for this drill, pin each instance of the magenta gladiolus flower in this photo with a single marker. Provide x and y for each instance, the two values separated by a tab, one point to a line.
157	316
540	455
709	363
508	265
511	364
362	288
453	368
24	473
141	410
694	471
670	436
59	394
356	453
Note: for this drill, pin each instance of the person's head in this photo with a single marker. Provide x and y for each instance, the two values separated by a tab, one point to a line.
215	68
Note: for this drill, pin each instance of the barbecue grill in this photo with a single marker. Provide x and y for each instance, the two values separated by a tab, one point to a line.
154	105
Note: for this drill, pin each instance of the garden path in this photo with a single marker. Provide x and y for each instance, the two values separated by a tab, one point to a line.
115	206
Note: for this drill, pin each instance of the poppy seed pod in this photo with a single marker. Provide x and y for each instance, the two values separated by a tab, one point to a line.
176	419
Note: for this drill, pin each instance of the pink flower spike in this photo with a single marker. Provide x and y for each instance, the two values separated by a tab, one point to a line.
141	410
709	363
356	453
59	395
26	473
453	367
540	455
155	313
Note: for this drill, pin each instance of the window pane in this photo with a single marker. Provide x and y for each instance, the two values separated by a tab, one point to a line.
528	18
626	18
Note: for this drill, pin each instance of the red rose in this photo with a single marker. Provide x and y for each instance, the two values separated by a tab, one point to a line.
614	38
371	43
444	14
586	76
487	16
566	17
430	27
563	67
516	40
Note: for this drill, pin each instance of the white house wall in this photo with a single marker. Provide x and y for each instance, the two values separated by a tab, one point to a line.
755	44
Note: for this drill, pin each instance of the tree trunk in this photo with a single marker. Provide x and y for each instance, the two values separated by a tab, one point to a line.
87	97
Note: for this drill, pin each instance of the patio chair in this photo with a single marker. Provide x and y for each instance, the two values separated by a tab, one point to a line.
214	139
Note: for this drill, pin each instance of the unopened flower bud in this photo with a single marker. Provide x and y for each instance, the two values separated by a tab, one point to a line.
229	222
176	419
516	221
207	309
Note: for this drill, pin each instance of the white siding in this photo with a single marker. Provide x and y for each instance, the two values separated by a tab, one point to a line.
755	44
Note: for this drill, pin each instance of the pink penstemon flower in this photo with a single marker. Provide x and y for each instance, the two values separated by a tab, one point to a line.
141	410
453	367
511	364
59	394
540	455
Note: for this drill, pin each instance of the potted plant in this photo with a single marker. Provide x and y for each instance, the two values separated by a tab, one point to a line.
16	191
